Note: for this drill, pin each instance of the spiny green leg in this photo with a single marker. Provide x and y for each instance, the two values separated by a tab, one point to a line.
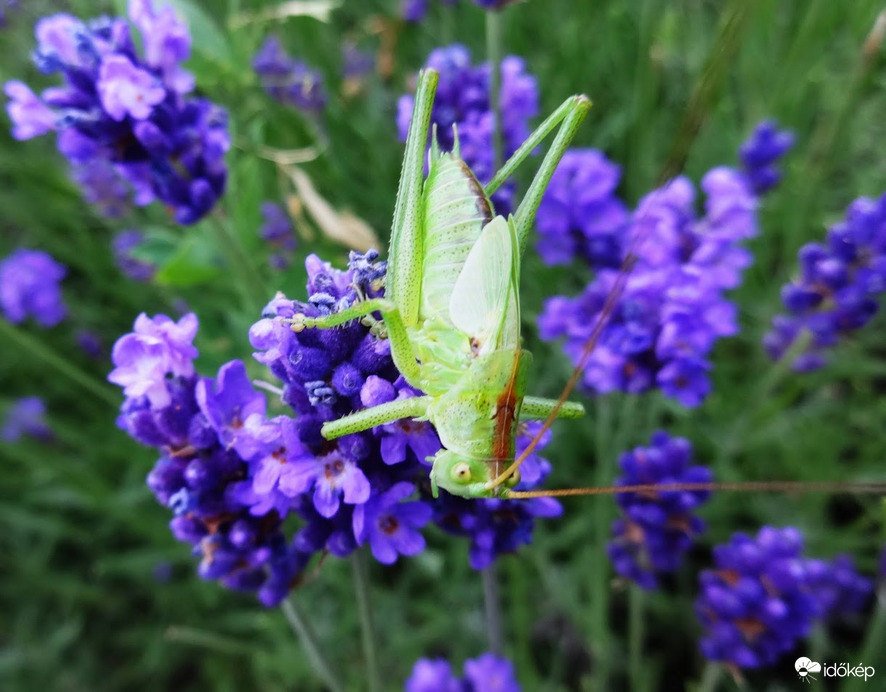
572	112
406	251
536	408
401	346
414	407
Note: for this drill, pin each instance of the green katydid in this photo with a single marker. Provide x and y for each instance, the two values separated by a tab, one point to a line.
452	306
452	312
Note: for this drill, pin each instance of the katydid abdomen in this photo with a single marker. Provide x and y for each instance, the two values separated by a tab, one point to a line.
455	210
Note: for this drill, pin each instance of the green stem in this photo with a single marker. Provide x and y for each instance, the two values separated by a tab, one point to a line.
492	605
299	624
367	627
874	642
640	142
720	62
249	281
636	634
493	54
774	376
600	570
37	348
710	677
826	141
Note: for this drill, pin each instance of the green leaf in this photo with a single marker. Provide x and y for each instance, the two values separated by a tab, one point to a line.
158	246
193	263
207	39
206	36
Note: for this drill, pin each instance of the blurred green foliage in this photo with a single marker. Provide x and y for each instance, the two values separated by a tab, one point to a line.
83	543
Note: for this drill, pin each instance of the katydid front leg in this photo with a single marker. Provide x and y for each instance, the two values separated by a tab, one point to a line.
401	346
413	407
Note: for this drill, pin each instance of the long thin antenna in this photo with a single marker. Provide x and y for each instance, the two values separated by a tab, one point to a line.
608	308
859	488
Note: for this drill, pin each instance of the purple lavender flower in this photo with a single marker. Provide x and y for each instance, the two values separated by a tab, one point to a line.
489	673
494	4
122	246
156	348
236	411
463	100
289	81
104	186
29	286
5	6
657	528
90	343
126	90
432	676
277	231
486	673
30	117
414	10
838	589
757	603
343	489
197	476
761	151
835	292
357	63
672	309
390	526
26	416
579	215
167	43
117	107
498	527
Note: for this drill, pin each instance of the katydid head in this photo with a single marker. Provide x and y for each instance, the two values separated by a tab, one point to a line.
464	476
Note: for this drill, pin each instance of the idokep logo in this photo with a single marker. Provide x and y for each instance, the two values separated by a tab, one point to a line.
805	668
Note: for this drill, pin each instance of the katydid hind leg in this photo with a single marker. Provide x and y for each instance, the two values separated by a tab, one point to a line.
525	150
406	251
569	117
536	408
524	218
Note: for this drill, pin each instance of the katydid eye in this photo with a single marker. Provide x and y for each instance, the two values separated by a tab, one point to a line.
461	472
513	480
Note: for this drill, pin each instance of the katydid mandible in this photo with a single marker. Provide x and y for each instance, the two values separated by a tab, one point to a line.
452	305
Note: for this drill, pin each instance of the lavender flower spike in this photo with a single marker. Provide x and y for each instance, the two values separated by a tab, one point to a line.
463	100
26	416
657	529
29	287
755	605
673	308
836	290
118	107
206	485
156	348
486	673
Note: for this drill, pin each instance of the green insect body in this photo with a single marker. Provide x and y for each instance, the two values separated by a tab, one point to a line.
452	306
